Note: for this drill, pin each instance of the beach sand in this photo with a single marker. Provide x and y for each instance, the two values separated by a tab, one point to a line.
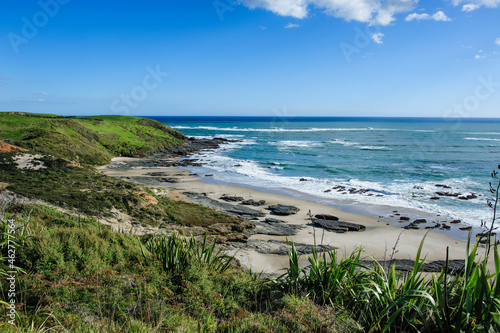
380	240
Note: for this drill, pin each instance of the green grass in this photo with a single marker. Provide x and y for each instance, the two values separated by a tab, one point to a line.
80	276
389	301
95	140
87	192
88	140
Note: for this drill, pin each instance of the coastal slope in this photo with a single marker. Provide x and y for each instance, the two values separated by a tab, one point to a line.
88	140
52	160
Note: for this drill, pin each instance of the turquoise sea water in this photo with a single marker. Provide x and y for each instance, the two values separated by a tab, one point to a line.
400	161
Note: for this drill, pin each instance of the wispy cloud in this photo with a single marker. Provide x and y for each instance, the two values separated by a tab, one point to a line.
470	7
438	16
369	11
475	4
291	25
377	38
479	56
497	41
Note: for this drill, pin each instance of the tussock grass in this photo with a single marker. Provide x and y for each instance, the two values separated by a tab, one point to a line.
176	253
389	301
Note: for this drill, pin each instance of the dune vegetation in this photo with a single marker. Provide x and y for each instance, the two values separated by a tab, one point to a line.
74	274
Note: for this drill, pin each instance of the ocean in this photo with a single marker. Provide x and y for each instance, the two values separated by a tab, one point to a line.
366	165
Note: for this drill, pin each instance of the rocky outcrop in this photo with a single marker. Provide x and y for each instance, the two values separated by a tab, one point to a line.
454	266
235	210
326	217
151	181
230	198
338	226
279	247
283	210
275	228
252	202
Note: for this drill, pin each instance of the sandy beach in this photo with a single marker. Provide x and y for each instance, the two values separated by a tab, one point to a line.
381	240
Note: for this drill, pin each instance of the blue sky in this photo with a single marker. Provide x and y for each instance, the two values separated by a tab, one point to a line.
411	58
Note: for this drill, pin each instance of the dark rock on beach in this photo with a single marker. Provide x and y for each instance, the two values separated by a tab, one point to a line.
283	210
252	202
326	217
151	181
406	265
237	210
448	194
275	229
337	226
279	247
231	198
273	220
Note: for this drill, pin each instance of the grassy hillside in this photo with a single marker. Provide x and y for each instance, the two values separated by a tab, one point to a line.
88	140
91	141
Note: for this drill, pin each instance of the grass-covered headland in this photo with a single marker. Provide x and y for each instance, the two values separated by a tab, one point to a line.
73	274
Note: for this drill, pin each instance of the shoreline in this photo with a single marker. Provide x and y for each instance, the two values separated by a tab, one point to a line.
389	214
381	239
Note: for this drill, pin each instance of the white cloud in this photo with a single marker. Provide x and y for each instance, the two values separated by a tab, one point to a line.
497	41
475	4
39	100
479	56
417	17
385	15
438	16
262	27
470	7
369	11
293	8
291	25
377	38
